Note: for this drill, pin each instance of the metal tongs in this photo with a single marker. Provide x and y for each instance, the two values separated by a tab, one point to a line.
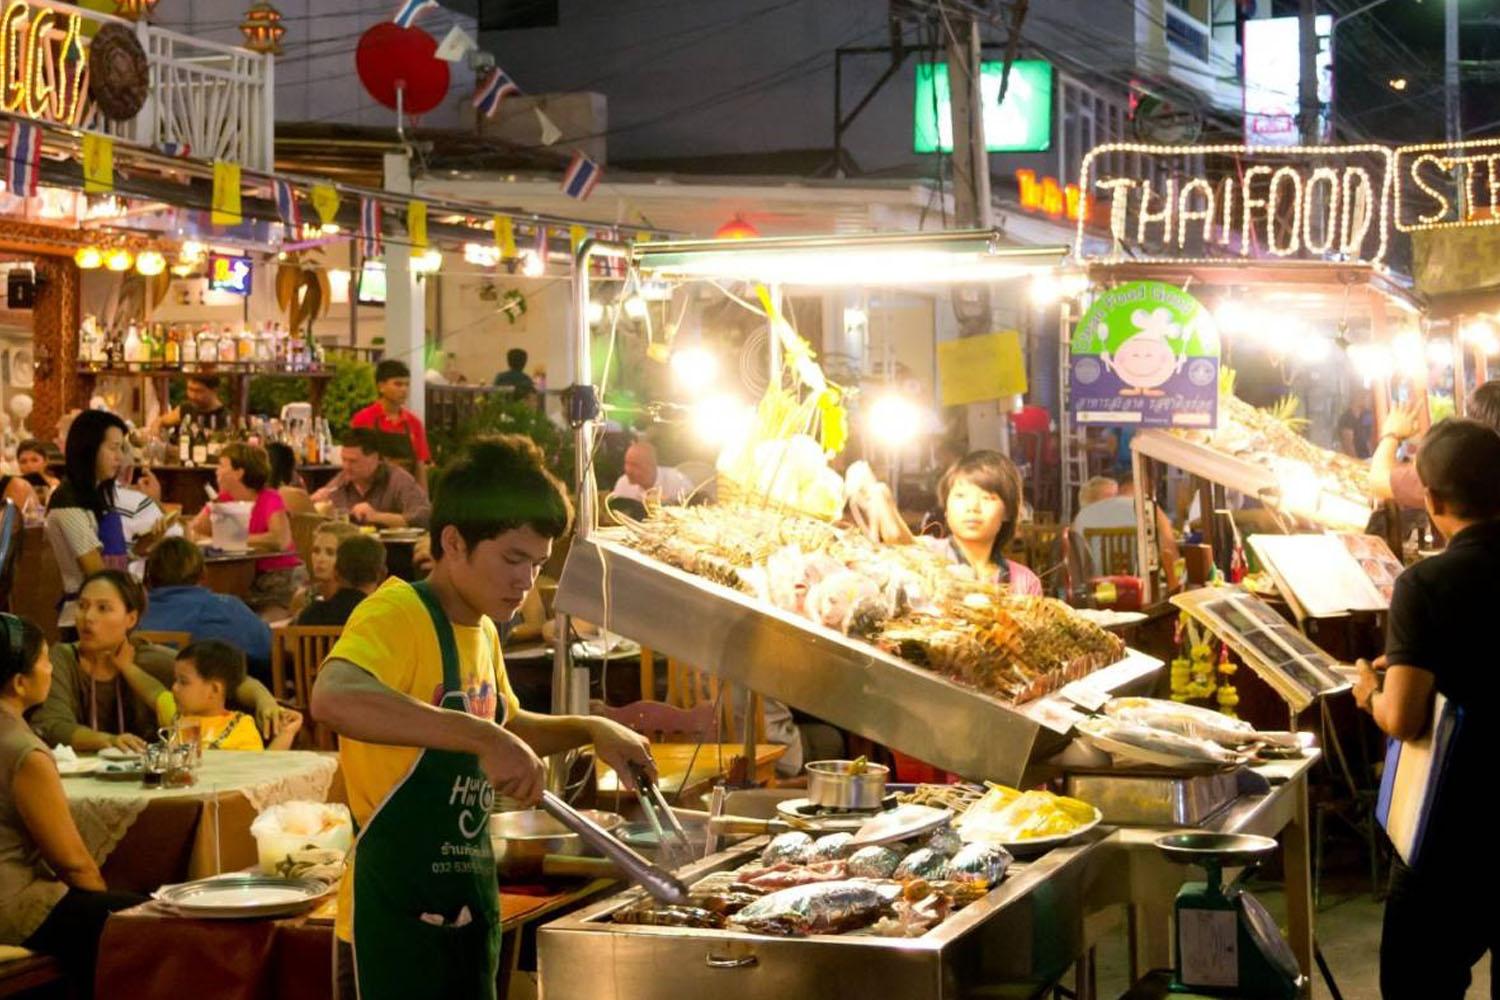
678	850
659	883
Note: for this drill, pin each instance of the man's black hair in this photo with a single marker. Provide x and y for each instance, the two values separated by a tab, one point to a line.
515	359
499	484
1457	465
389	368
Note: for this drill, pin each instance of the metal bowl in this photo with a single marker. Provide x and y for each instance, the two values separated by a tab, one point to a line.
1228	849
834	784
523	838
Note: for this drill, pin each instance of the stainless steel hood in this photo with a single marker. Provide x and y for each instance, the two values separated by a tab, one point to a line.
847	682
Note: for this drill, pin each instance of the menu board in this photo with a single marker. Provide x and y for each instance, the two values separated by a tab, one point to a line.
1332	574
1285	658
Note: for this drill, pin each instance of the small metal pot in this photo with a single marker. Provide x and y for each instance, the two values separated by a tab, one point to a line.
522	840
835	784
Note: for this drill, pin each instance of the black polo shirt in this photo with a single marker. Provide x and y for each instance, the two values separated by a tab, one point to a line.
1442	621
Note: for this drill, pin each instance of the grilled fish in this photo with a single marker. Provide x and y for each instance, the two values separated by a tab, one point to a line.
825	908
669	916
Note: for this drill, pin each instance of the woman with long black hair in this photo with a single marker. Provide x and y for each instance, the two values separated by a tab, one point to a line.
82	527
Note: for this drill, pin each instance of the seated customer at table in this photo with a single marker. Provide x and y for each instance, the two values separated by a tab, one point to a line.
101	695
981	499
31	459
243	473
204	674
373	491
285	479
358	568
322	584
52	898
1119	511
178	602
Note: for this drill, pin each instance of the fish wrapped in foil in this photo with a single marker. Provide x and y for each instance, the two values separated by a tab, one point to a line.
793	848
923	863
669	916
945	841
832	847
982	864
823	908
873	862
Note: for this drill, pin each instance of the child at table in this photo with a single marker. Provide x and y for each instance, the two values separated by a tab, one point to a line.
204	673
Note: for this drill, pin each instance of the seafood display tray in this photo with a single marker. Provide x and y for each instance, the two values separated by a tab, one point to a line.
1146	798
845	681
1021	935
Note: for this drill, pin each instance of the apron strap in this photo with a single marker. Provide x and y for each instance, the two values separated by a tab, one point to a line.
452	682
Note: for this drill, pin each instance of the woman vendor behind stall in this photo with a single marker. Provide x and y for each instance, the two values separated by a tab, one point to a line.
981	500
100	696
85	532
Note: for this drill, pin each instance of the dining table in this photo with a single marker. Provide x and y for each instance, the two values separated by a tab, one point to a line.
143	837
229	572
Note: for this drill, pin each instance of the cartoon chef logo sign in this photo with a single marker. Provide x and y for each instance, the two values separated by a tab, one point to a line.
1145	354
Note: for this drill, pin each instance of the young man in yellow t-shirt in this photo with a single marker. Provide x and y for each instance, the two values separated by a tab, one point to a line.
430	732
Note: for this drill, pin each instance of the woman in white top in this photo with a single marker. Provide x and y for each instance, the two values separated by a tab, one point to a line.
81	523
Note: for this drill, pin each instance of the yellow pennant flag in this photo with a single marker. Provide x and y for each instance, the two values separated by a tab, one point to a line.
576	236
416	224
643	236
505	236
98	163
226	205
325	201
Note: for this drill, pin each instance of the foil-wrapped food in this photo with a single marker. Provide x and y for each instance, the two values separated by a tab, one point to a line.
793	848
875	861
822	908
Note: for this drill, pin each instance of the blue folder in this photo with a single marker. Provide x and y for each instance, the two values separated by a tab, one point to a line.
1413	780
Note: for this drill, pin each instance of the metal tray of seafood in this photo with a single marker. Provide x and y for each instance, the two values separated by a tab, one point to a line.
1021	936
818	670
1144	798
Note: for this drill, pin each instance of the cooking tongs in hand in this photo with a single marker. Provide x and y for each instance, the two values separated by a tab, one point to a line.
662	884
677	850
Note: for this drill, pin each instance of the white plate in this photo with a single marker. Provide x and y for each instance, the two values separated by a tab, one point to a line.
242	896
83	765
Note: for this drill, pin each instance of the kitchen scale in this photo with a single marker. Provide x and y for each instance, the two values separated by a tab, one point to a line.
1227	943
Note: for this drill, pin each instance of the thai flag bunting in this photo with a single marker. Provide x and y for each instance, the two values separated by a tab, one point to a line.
23	157
495	88
582	177
410	10
176	148
286	205
369	227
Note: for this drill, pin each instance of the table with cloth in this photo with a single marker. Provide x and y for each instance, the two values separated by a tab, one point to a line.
144	838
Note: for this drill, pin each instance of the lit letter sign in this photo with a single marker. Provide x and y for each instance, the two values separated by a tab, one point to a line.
1448	185
43	63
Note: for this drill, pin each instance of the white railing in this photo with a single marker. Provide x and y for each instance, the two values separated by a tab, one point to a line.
218	100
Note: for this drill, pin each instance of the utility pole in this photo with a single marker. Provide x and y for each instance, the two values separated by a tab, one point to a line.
1307	82
971	162
1451	92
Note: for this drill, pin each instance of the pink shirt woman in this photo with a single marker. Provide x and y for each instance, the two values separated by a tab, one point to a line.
243	473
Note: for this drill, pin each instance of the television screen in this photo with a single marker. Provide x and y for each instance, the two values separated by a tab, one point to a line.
372	283
229	274
1022	124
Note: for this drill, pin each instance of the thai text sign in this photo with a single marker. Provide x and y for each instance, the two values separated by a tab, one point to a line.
43	63
1184	203
1146	354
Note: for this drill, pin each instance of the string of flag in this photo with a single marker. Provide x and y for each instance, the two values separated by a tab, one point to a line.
23	158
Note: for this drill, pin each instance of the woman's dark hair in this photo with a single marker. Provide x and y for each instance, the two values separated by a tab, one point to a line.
497	485
993	473
132	594
79	487
251	461
174	562
20	644
1484	404
1457	464
283	465
33	445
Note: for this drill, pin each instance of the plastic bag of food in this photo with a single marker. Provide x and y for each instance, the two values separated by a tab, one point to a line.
282	832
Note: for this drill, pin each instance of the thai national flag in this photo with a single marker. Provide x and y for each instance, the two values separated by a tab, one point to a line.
410	10
495	88
369	227
176	149
286	205
582	177
23	156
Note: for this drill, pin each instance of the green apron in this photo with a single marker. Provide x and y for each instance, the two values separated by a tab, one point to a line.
426	851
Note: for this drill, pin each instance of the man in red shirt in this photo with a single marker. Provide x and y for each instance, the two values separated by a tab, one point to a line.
405	437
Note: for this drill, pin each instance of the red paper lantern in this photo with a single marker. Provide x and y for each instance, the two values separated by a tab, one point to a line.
736	229
390	57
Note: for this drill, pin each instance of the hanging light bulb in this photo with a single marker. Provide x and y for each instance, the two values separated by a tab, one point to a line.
119	259
88	258
150	263
532	265
429	261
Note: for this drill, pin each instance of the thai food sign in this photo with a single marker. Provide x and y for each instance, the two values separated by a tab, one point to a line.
1145	354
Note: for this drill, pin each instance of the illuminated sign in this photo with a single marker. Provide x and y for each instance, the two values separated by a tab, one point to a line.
372	283
1273	71
229	274
1022	124
1206	203
43	64
1448	185
1052	198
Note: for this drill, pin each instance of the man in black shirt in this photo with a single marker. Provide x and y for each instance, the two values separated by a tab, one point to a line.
359	567
202	404
514	377
1441	624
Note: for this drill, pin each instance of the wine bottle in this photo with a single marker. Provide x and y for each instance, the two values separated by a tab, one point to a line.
200	445
134	347
185	441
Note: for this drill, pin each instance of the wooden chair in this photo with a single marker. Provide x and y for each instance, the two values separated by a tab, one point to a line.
688	687
1115	548
165	637
304	527
663	723
303	648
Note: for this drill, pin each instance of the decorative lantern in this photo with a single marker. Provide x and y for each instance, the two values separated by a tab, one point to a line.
736	229
88	258
135	10
262	28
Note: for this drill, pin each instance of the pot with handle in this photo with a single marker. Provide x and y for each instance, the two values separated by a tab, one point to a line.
846	784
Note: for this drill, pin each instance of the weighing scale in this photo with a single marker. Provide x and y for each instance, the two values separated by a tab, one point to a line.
1227	943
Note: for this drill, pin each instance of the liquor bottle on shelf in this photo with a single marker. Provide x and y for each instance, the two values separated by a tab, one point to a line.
228	345
200	445
244	345
216	442
208	345
185	441
115	356
88	341
187	347
159	345
135	351
171	349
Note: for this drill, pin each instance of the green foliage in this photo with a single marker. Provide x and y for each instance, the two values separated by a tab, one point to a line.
500	413
269	393
351	388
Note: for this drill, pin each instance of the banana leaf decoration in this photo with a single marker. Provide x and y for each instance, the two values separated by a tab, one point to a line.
302	290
